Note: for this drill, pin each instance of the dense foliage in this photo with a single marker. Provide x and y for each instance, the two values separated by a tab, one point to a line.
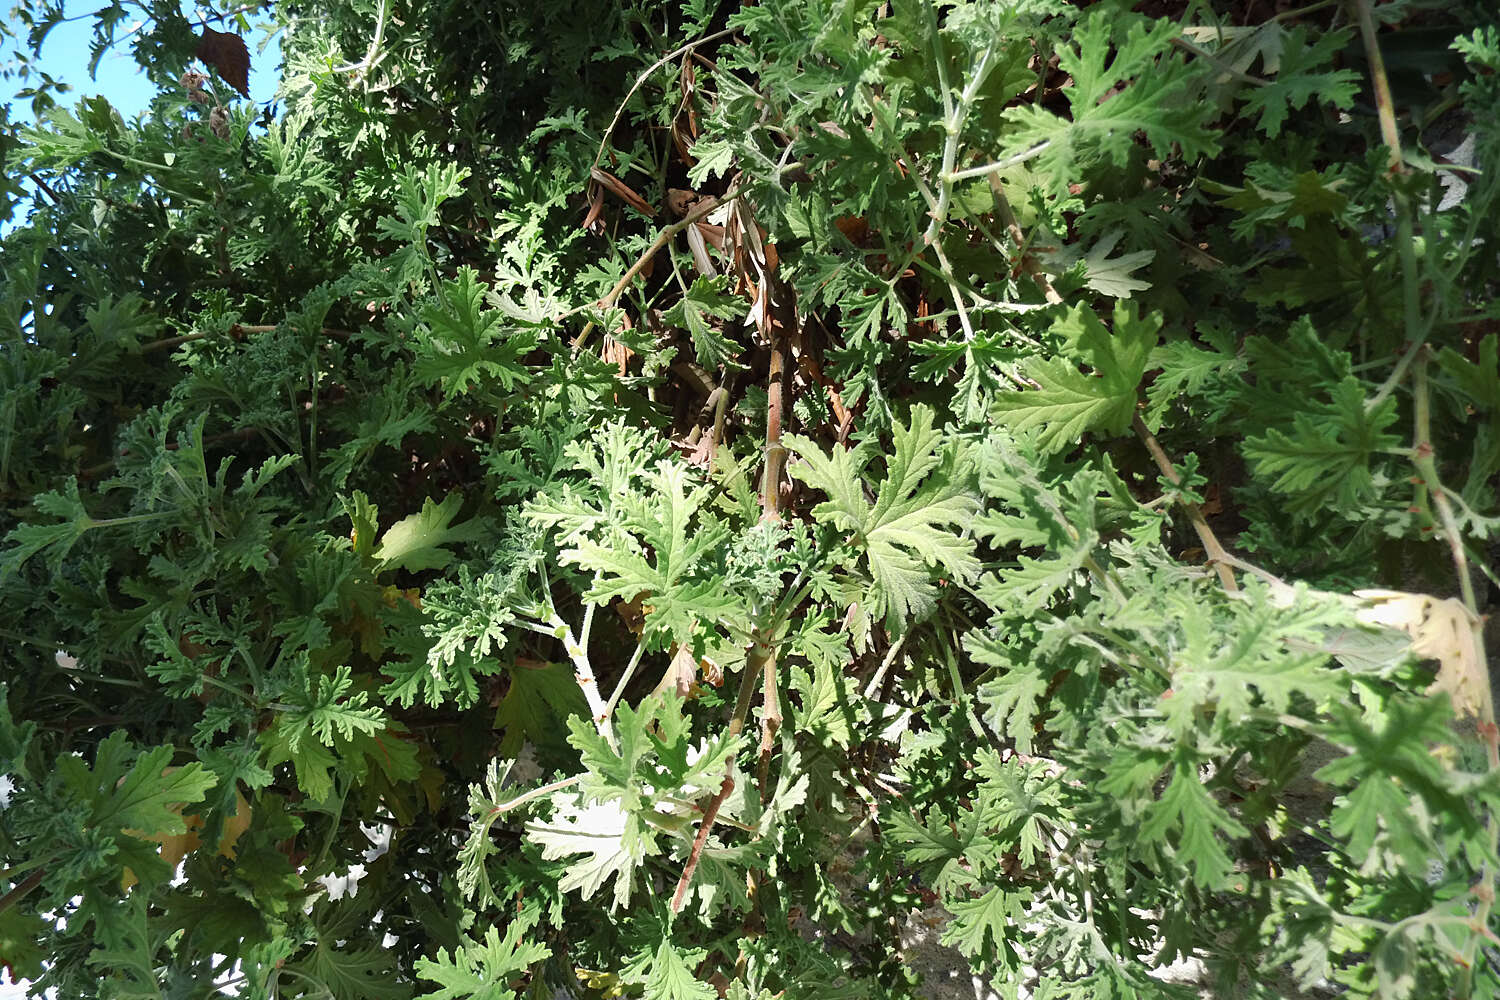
706	482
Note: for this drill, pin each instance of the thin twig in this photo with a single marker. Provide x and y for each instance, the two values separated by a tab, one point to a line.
1276	583
1385	107
711	811
630	668
775	461
1216	552
1416	333
22	889
375	40
46	188
662	239
999	165
646	75
954	118
872	689
1219	64
535	793
1311	8
1425	459
958	296
779	325
1013	227
583	673
760	661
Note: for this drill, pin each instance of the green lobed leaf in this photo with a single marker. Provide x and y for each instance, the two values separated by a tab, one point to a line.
1326	456
671	979
1068	403
708	299
1300	77
994	915
666	555
923	508
463	343
1012	699
491	968
611	840
418	541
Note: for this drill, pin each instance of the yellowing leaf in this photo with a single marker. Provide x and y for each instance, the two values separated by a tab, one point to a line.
417	541
176	845
1441	629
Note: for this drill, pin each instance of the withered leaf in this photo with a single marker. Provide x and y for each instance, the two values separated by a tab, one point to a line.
228	55
622	191
596	207
1441	629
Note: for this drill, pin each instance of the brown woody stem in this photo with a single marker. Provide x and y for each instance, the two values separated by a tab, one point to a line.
770	502
760	661
664	237
1216	553
22	889
711	811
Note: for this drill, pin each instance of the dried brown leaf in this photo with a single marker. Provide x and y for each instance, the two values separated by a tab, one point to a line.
1441	629
698	246
596	207
226	54
622	191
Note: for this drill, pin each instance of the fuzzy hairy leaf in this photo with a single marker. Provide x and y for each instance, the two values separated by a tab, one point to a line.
1068	403
488	969
1327	454
327	715
1115	276
1262	654
464	343
1188	814
1157	99
1012	701
1390	770
671	979
1185	371
1025	802
923	508
611	841
991	916
27	540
